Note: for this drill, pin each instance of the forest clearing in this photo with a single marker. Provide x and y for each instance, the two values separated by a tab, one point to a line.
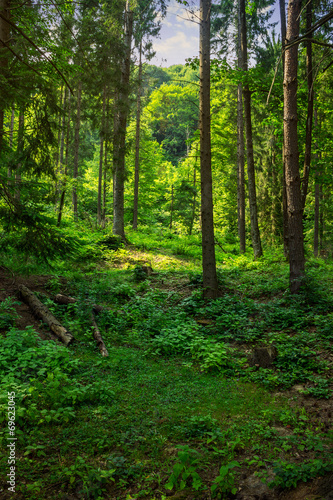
177	399
166	252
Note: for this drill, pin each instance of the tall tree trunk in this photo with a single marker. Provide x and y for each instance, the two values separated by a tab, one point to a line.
4	38
255	233
316	218
171	208
67	107
317	196
137	145
308	133
284	189
194	196
76	147
11	136
57	152
240	150
321	219
101	157
20	148
104	184
208	242
293	181
119	148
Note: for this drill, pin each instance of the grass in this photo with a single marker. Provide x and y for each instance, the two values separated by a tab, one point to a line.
176	404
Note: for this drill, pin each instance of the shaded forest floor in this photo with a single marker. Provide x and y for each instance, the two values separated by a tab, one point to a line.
176	410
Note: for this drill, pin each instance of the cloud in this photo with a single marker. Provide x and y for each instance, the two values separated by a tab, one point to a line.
177	48
179	36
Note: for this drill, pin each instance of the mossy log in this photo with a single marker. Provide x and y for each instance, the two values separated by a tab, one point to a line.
40	311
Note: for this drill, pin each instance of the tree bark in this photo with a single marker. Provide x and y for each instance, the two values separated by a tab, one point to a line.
41	312
255	233
76	147
119	147
194	196
240	150
308	133
316	219
284	189
171	208
4	37
208	243
67	104
104	184
11	135
101	157
293	181
317	197
137	145
20	148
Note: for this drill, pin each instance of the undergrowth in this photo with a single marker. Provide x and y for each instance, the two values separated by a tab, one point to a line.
177	404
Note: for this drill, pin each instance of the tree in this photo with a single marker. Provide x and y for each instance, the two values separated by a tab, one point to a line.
4	41
207	219
291	154
240	147
119	142
137	145
255	233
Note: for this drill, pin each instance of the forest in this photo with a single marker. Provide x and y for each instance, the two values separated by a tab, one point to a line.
166	252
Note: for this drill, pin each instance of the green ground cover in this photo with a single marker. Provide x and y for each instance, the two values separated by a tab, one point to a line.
176	407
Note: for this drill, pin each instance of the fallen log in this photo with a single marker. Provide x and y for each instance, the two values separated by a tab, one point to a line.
40	311
98	337
66	299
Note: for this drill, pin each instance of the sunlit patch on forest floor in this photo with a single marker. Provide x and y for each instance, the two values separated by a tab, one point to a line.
176	410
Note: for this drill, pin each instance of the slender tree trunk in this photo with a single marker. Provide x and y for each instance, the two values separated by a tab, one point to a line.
317	196
208	242
240	150
119	148
284	188
104	184
11	136
137	145
194	196
20	148
57	152
316	218
308	133
4	37
171	208
274	191
101	157
76	147
293	181
255	233
321	219
67	104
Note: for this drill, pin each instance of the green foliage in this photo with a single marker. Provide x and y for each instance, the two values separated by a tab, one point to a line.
185	470
8	314
224	482
288	475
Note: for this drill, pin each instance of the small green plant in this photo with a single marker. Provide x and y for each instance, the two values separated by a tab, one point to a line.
225	481
184	470
8	314
289	474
